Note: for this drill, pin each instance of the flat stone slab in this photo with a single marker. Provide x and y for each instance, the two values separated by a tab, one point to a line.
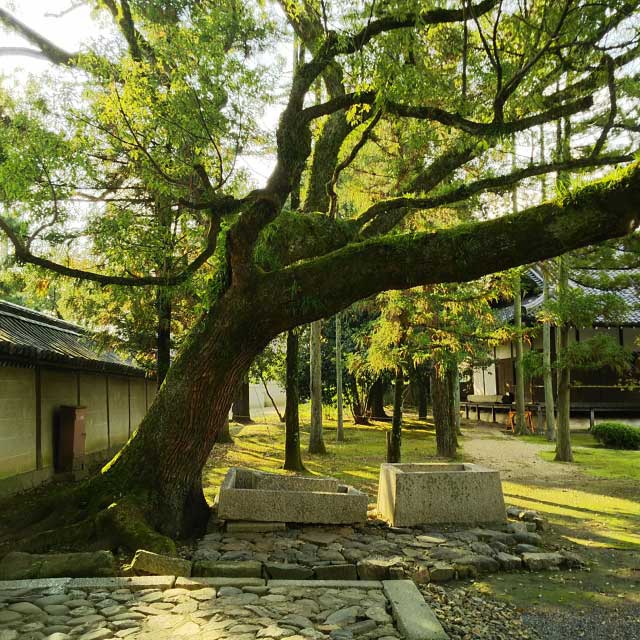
200	583
40	583
227	569
133	583
414	617
147	562
254	527
327	584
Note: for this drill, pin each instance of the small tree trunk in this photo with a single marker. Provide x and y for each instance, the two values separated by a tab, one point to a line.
375	400
394	438
224	435
517	317
422	395
340	429
456	402
563	442
549	401
357	410
240	410
442	403
163	353
316	440
292	456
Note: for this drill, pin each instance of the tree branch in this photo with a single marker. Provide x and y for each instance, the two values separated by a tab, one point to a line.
24	255
497	183
50	51
595	213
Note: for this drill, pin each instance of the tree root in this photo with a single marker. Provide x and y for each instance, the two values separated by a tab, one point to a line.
123	524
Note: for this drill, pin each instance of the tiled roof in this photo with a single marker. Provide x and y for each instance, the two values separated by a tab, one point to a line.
531	304
29	336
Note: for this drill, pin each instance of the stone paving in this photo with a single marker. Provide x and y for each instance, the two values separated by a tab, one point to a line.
234	613
376	551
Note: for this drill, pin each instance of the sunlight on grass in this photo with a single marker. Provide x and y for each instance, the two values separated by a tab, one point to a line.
614	521
356	461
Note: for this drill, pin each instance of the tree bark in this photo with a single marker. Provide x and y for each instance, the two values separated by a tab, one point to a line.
375	400
456	402
563	441
358	411
549	401
340	427
421	385
224	435
394	437
163	354
517	319
442	403
316	440
241	411
292	455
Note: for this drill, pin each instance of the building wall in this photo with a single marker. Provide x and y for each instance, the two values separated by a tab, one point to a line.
113	403
58	388
17	421
93	396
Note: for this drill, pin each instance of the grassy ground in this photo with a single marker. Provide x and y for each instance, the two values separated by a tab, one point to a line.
355	461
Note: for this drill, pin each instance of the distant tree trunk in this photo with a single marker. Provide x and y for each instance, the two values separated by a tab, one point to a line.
224	435
421	385
517	318
442	403
340	428
456	402
240	410
163	353
358	410
394	437
563	441
271	399
549	401
292	456
316	440
375	400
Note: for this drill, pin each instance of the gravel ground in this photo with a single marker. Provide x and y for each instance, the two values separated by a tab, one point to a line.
515	459
587	624
465	615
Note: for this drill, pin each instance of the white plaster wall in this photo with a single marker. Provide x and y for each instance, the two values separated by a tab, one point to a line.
138	402
118	410
93	396
57	388
17	421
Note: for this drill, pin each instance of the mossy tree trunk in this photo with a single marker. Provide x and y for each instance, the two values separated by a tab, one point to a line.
163	356
292	455
394	437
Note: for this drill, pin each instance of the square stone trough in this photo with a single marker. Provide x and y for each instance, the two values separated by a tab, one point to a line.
267	497
439	493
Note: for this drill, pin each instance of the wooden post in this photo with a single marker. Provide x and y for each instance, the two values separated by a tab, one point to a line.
592	418
38	382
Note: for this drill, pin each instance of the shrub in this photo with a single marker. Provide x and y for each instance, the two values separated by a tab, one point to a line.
616	435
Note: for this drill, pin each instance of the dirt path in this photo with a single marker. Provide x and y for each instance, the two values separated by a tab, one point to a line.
515	459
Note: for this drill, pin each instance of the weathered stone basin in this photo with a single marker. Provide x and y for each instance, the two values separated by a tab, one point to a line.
430	493
267	497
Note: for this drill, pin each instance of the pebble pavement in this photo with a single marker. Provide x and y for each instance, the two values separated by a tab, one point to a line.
250	613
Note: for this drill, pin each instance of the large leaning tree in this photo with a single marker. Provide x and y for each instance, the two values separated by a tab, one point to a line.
163	117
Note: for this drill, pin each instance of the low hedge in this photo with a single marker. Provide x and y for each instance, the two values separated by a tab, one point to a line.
616	435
